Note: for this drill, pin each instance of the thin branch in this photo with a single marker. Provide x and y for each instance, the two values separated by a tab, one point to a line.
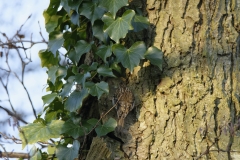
10	113
14	139
1	154
15	155
40	32
6	89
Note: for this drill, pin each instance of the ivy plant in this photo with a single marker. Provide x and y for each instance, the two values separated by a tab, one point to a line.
83	27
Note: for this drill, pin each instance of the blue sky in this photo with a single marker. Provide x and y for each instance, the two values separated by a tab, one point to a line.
13	14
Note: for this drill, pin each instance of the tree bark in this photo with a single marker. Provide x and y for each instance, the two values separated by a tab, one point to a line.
190	110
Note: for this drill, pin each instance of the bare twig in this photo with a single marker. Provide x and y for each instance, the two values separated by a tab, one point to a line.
14	139
10	113
1	154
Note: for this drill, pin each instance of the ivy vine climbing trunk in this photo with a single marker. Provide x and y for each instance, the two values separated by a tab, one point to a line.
190	110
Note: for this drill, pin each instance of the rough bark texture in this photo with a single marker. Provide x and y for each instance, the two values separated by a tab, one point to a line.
191	109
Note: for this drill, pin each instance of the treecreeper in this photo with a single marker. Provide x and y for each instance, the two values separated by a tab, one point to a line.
124	101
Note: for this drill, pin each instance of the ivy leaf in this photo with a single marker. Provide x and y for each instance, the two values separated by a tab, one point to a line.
36	156
34	153
89	124
49	98
35	132
66	89
81	78
53	7
139	23
75	18
61	72
73	56
54	110
71	153
73	130
107	127
47	58
98	31
52	74
81	48
97	89
51	22
129	58
67	86
113	5
65	5
55	72
118	28
55	41
105	71
116	67
91	11
155	56
74	4
51	149
75	100
104	52
88	68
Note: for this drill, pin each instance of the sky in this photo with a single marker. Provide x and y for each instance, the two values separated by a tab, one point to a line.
13	13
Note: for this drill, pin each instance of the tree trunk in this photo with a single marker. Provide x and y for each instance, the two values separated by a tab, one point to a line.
190	110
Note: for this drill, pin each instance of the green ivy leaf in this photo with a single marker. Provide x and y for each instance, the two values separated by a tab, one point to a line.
89	124
105	71
55	41
139	23
81	78
51	149
35	132
52	73
74	4
36	156
155	56
104	52
97	89
65	153
66	89
51	116
49	98
98	31
51	22
67	86
82	47
54	87
74	101
118	28
47	58
74	130
53	7
61	72
54	110
113	5
55	72
87	68
91	11
116	67
129	58
73	56
64	3
75	18
107	127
